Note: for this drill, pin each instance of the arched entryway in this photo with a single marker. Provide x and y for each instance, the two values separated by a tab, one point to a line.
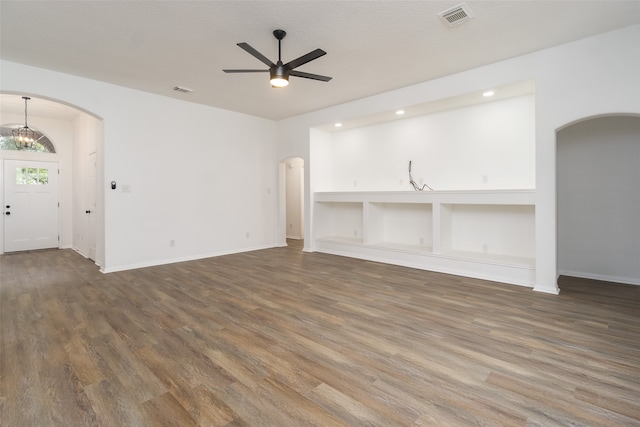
291	213
77	135
598	199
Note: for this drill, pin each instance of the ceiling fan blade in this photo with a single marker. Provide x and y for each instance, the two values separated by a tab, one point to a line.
304	59
257	54
245	71
309	75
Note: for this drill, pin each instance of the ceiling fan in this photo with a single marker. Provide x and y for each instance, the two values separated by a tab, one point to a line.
280	72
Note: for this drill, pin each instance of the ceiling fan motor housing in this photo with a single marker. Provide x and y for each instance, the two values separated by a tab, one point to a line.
279	71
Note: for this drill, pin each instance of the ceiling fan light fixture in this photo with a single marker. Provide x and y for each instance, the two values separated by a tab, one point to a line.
279	77
279	72
279	82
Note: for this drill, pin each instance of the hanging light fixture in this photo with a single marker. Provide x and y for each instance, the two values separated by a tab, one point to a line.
24	137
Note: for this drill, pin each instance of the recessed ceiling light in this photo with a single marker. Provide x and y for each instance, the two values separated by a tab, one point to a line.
338	125
399	112
488	93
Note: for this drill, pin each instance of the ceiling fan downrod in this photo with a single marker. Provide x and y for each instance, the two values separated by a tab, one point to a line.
279	34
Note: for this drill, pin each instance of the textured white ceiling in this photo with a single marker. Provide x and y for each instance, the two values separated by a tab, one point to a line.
372	46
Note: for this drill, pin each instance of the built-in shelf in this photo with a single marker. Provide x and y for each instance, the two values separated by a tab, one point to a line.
484	234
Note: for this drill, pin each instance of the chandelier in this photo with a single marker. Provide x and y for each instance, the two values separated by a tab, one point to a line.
24	137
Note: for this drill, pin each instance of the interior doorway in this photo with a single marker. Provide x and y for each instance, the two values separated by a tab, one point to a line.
78	154
292	206
598	202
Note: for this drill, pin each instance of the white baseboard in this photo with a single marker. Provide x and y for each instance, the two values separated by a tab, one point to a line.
181	259
602	277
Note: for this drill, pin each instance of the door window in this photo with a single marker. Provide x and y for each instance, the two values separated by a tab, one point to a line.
32	176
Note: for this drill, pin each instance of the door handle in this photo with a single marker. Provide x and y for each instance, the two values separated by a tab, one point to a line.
7	213
87	211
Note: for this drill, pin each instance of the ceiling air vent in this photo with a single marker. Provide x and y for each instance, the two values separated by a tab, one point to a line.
456	15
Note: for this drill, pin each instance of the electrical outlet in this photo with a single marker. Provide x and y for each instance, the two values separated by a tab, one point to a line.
247	235
485	248
172	243
421	241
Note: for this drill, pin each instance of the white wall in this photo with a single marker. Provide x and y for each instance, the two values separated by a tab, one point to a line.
321	151
88	136
485	146
201	177
209	190
590	77
315	177
599	199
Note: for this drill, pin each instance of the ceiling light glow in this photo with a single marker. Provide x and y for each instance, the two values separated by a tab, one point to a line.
279	82
399	112
488	93
338	125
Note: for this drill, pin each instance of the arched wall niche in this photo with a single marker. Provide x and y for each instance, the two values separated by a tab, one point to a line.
598	202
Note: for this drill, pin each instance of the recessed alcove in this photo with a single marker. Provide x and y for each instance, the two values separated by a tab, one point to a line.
476	153
435	105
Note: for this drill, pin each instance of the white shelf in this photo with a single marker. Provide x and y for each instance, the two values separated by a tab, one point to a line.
492	197
401	247
485	234
340	239
508	260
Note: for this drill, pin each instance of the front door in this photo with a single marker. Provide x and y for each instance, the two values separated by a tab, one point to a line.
30	205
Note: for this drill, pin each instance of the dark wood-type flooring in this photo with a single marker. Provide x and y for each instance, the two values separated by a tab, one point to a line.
278	337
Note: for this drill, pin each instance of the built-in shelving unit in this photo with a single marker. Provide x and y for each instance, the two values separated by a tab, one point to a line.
483	234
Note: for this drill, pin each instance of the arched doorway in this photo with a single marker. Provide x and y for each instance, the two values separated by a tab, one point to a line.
30	186
77	135
292	201
598	199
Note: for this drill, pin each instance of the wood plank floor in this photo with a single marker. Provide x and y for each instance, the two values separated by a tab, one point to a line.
278	337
